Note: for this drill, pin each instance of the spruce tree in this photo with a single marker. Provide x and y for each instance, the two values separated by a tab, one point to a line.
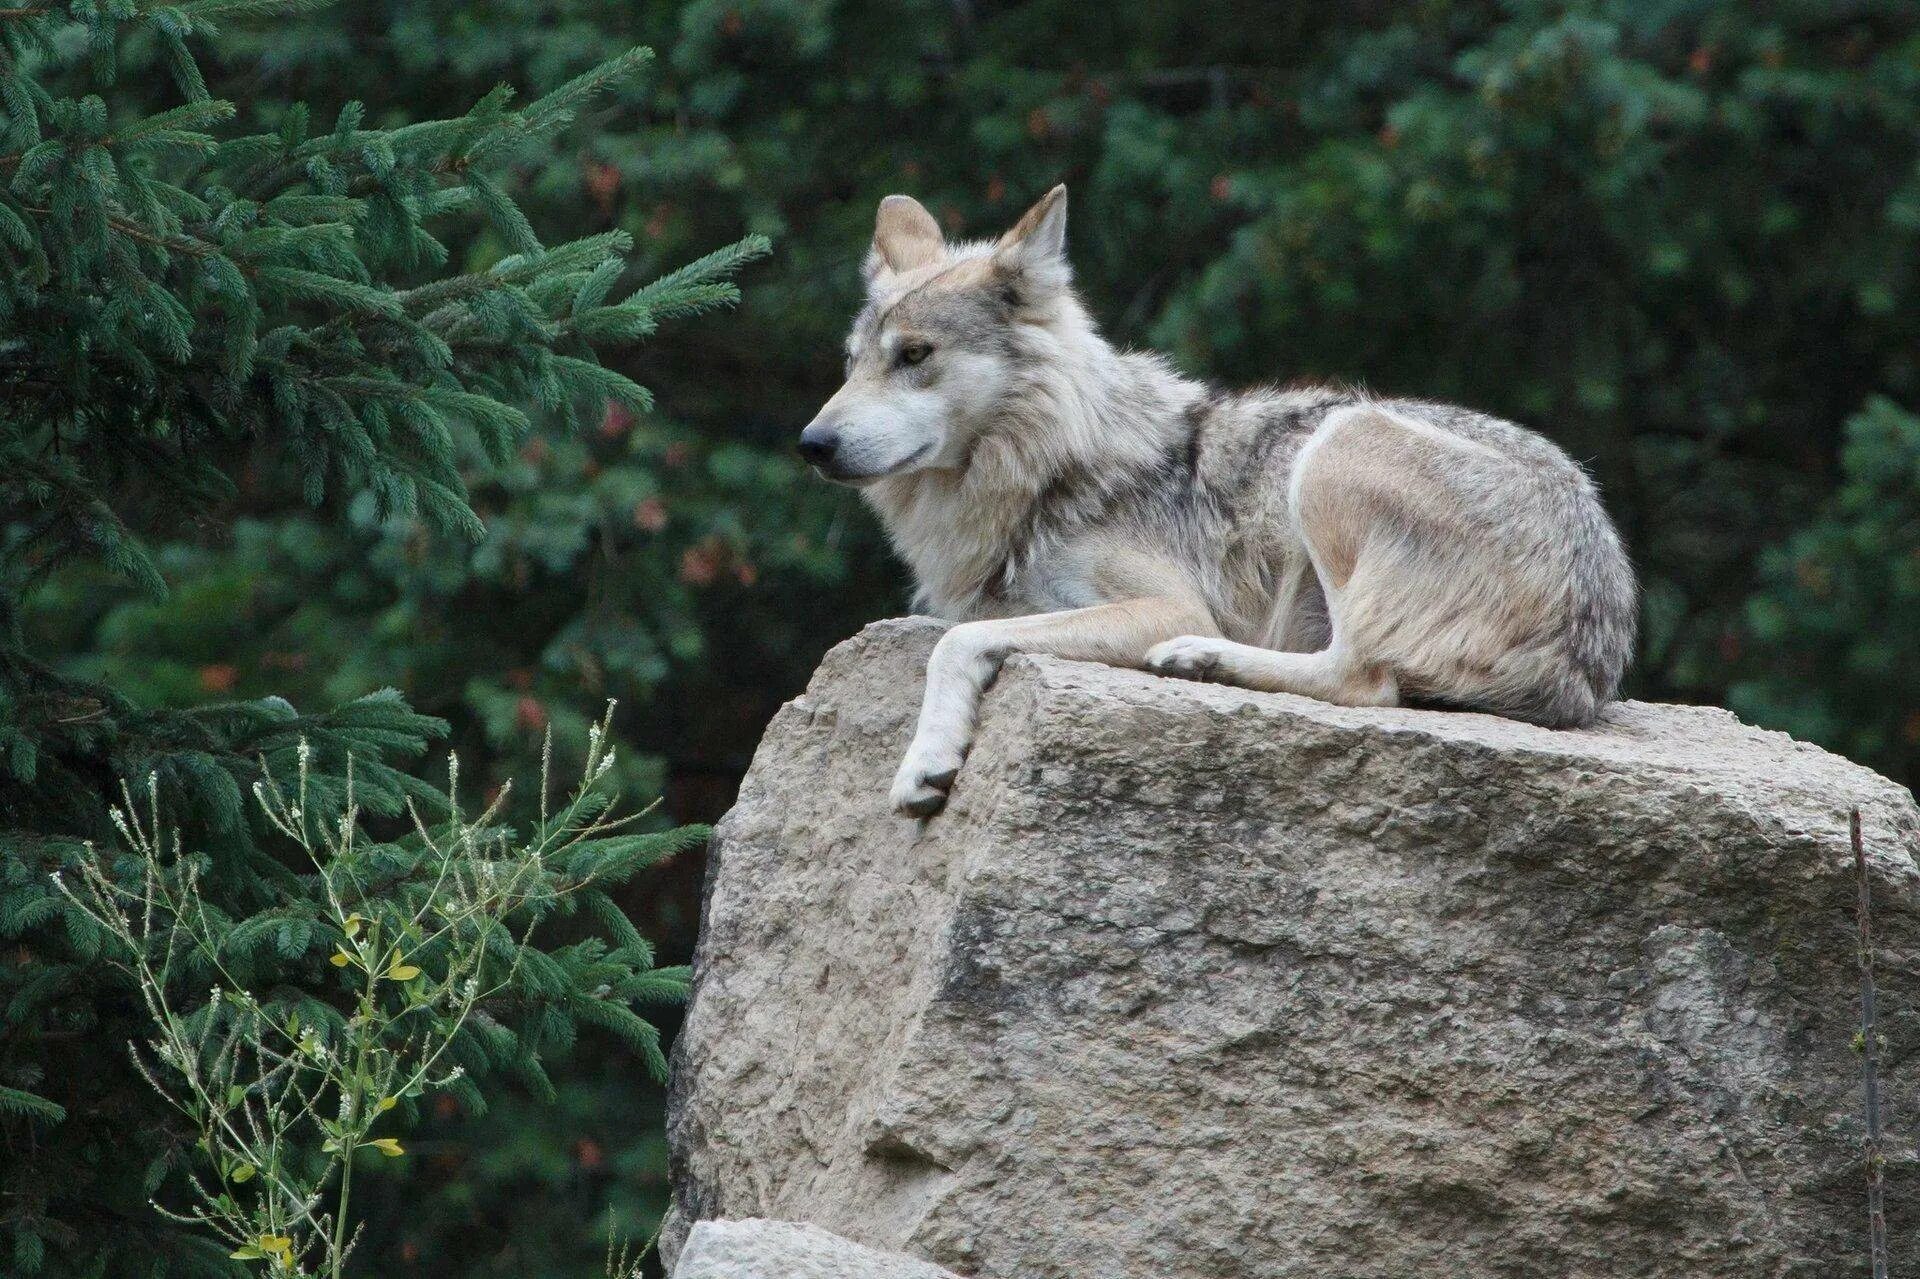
203	301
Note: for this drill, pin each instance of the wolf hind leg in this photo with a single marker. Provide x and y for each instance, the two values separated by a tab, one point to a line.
1356	481
1331	675
970	654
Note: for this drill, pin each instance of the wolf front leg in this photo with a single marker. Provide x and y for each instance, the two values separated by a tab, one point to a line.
968	657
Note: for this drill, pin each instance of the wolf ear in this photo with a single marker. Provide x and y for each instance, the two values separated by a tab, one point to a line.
905	237
1034	252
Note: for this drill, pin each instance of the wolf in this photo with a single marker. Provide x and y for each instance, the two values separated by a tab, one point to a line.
1053	494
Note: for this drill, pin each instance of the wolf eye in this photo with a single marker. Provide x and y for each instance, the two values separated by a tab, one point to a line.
914	352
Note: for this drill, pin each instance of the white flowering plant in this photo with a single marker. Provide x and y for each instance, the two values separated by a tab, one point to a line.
290	1073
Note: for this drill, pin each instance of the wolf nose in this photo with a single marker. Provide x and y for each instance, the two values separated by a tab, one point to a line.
818	444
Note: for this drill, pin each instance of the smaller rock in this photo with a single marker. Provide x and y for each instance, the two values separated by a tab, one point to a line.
756	1248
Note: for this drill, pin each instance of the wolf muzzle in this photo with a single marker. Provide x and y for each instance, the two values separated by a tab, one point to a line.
818	445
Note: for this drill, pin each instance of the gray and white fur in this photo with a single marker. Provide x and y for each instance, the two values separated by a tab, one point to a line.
1055	495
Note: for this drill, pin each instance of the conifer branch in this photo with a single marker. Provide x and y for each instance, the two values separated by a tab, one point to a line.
134	231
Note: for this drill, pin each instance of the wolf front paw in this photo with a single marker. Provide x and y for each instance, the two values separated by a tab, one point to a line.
1188	657
926	775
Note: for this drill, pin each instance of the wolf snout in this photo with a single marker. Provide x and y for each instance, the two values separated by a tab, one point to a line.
819	443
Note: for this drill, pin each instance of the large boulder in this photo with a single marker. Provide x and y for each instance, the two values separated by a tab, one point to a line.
1194	982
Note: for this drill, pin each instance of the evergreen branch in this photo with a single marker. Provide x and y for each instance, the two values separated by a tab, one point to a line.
31	1105
211	111
719	263
314	286
554	110
134	231
250	8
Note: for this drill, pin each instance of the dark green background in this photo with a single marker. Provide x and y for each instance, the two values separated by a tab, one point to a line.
1679	238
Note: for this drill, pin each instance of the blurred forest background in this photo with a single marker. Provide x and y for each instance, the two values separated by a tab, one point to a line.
1681	237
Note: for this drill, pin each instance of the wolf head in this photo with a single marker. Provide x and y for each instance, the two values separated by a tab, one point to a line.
934	352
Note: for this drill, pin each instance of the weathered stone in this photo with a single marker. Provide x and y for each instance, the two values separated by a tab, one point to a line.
1190	982
759	1249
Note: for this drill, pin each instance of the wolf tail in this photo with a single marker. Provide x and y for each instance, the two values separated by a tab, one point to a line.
1602	607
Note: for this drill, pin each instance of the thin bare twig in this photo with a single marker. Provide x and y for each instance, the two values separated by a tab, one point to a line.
1870	1062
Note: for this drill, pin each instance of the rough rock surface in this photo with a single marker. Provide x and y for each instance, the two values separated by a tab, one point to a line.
758	1249
1194	982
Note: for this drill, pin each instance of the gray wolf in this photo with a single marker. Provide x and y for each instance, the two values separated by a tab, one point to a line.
1053	494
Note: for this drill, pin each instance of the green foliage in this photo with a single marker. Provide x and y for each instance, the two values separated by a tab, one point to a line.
431	937
1835	628
215	301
